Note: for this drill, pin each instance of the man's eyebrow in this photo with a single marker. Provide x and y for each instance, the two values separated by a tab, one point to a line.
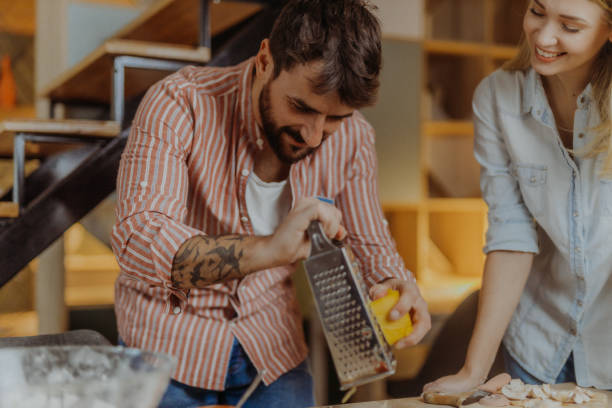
302	105
565	16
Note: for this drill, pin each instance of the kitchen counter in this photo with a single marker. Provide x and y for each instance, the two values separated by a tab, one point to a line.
415	402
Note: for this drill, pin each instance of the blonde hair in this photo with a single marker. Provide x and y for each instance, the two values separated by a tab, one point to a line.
602	92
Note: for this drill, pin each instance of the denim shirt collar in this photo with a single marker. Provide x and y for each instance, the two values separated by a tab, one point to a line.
535	101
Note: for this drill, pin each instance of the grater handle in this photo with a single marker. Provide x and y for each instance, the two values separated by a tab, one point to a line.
319	242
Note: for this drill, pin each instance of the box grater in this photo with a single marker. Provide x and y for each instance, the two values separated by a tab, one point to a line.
356	343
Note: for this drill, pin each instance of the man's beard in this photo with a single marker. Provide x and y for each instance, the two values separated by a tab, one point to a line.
274	133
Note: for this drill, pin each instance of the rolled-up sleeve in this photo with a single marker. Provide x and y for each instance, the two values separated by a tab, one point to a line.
152	189
510	225
369	236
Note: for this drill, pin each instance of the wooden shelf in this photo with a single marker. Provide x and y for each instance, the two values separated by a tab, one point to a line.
391	206
18	112
468	49
448	128
476	205
8	209
67	127
91	270
18	324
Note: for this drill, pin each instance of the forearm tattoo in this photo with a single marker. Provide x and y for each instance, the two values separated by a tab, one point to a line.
202	261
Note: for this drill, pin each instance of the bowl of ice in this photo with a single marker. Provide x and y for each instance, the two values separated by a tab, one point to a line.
82	377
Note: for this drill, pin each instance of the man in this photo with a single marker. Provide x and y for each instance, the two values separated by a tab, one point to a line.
216	188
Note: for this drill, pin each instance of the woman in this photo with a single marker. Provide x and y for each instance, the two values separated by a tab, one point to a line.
542	127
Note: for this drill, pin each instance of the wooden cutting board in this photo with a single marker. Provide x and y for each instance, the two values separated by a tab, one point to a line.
416	402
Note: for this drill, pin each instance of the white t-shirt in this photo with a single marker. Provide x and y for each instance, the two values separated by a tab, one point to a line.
267	203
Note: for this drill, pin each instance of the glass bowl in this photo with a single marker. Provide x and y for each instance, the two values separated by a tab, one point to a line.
82	376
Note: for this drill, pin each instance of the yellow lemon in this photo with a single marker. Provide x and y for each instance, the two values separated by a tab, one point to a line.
392	329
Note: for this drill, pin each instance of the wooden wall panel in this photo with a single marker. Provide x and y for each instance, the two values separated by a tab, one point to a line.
18	16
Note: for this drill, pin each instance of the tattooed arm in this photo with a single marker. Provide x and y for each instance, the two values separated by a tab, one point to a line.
205	260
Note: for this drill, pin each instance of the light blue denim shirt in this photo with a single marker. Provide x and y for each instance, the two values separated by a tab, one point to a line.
543	200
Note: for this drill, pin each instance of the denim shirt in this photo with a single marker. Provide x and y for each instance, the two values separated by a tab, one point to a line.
543	200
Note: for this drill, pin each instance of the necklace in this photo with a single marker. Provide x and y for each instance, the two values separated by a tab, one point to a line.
564	128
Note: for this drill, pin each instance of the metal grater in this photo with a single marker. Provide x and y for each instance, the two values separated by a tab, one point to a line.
356	343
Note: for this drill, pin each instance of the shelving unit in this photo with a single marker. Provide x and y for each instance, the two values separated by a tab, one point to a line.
441	237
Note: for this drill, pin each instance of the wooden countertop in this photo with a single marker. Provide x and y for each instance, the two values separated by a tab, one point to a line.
415	402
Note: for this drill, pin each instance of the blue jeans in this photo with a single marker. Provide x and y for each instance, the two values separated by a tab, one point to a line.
293	389
513	368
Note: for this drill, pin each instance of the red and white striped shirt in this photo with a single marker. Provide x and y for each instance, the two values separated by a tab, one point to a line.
184	173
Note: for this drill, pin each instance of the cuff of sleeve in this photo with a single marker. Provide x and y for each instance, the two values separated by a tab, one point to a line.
512	236
381	268
167	243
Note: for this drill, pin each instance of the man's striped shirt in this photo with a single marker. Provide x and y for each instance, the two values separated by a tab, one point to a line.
184	173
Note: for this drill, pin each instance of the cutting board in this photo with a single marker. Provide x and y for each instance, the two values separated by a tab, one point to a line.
415	402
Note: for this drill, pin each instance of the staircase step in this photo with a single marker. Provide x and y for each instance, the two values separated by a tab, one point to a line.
178	21
90	79
8	210
63	127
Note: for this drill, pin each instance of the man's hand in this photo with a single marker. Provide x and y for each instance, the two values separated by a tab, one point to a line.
290	241
410	301
205	260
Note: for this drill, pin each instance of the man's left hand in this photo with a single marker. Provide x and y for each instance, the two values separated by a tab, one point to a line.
410	301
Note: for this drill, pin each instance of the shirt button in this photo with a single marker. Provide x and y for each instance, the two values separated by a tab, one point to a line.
573	331
578	250
581	278
176	310
245	172
580	135
579	303
575	214
533	179
143	184
259	142
244	219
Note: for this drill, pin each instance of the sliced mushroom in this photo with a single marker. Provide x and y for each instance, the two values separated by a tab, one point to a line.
580	395
535	391
562	395
546	389
494	400
541	403
516	390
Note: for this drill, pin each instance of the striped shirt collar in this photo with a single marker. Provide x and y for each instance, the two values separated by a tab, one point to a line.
246	110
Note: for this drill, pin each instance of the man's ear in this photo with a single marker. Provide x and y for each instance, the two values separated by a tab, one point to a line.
264	65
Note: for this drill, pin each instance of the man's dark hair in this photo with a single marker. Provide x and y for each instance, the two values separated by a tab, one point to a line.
343	34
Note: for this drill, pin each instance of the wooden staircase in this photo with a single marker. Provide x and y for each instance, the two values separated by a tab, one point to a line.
80	171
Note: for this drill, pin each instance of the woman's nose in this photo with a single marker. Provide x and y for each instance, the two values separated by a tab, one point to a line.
547	36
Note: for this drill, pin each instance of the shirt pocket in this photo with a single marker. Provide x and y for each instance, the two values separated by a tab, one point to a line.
605	197
532	182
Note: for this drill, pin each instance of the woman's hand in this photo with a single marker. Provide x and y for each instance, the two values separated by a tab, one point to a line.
462	381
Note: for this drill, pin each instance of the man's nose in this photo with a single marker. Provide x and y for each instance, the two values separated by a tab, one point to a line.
312	132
